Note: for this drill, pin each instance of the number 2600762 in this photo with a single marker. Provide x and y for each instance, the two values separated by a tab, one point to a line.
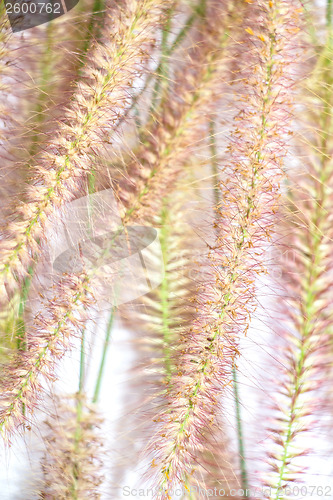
33	8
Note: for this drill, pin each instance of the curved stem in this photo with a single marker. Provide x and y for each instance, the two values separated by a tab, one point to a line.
104	354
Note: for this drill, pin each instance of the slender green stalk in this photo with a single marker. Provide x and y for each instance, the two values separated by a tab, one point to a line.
214	162
176	43
104	354
329	24
329	15
162	70
21	341
166	51
164	293
46	72
241	447
95	25
82	363
79	412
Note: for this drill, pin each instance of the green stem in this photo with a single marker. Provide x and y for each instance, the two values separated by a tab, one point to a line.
162	70
46	68
214	162
104	353
201	8
241	448
94	28
329	23
165	292
20	336
178	40
329	15
79	413
82	363
161	83
21	341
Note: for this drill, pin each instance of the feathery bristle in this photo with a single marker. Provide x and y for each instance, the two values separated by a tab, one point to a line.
52	332
249	192
100	96
305	244
72	461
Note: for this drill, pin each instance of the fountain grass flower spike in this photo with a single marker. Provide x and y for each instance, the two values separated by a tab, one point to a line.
250	189
72	461
175	130
149	174
52	332
305	306
60	171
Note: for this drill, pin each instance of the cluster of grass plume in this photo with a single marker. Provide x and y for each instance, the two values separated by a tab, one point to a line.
249	193
63	162
140	183
60	170
150	98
